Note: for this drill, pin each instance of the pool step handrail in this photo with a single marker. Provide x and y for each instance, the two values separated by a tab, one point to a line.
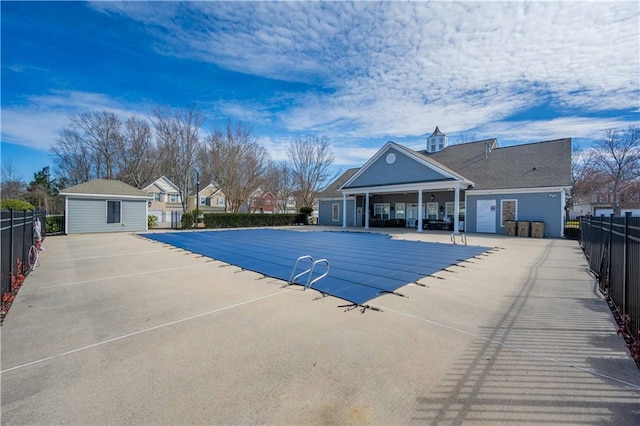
292	279
318	278
309	271
463	237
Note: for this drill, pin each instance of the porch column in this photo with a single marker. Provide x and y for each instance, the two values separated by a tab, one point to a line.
366	212
420	210
456	211
344	210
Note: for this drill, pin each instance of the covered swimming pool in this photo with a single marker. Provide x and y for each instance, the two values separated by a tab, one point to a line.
362	267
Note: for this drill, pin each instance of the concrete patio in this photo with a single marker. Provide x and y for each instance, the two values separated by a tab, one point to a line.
117	329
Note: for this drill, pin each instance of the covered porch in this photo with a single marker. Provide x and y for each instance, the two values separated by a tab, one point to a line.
423	206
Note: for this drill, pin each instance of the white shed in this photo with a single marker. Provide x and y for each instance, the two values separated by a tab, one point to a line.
104	205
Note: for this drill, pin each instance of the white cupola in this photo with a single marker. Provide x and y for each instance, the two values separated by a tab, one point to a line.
437	141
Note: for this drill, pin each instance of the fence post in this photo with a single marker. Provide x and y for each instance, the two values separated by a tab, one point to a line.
625	264
10	245
610	243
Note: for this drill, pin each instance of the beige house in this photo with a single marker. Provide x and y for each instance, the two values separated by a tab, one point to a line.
166	203
210	200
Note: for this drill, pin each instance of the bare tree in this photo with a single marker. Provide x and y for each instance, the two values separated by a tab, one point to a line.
279	181
177	134
311	160
13	186
137	154
73	157
617	156
101	131
235	162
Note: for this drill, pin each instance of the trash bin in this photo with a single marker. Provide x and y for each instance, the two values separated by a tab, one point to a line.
523	229
510	228
537	229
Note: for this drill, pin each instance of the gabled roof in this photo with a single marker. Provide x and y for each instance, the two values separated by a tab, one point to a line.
540	164
209	190
164	184
425	160
332	190
106	187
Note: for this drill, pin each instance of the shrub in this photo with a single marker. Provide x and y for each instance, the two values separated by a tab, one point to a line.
245	220
152	221
197	213
53	224
306	210
187	220
16	205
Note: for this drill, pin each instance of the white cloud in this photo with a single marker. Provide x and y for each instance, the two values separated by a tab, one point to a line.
37	122
401	68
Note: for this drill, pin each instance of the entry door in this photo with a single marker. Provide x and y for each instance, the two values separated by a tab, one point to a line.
359	216
486	216
412	214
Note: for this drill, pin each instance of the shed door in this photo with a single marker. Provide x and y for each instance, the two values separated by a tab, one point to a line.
486	216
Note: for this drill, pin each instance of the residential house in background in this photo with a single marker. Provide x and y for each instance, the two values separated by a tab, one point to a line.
600	201
167	201
104	205
262	201
210	199
475	187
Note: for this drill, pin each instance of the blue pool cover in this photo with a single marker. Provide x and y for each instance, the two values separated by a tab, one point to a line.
363	265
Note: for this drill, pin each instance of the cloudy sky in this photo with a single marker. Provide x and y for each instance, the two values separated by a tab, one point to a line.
359	73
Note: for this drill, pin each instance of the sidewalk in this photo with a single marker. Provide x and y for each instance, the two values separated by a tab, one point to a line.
117	329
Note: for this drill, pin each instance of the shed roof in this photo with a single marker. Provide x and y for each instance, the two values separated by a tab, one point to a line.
106	187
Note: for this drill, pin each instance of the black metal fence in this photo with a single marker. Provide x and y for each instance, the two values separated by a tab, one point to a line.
16	238
612	245
54	224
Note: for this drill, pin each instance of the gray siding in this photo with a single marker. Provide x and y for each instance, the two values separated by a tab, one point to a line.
404	170
538	207
325	211
90	215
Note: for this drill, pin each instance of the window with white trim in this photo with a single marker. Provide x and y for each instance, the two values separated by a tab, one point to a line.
381	211
173	198
221	201
508	211
203	201
400	209
432	211
114	211
157	196
335	212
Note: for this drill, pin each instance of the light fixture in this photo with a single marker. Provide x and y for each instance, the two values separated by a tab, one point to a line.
432	197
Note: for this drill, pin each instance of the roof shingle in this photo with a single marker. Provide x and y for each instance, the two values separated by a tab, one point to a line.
107	187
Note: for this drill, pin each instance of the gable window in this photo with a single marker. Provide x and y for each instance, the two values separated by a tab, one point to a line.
203	201
113	211
220	201
173	198
157	196
335	212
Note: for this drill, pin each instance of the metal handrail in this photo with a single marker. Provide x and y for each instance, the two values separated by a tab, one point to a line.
310	269
309	282
463	237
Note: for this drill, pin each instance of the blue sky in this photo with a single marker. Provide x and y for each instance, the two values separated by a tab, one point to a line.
359	73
